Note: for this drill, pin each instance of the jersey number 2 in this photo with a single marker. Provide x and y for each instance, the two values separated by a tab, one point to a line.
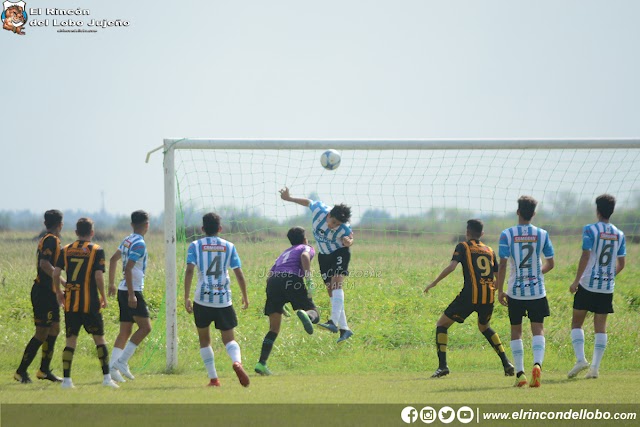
526	261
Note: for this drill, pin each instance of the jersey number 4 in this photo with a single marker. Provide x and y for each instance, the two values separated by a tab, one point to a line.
215	268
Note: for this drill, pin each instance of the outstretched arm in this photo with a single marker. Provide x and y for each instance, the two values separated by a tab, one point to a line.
128	277
447	270
284	195
502	274
99	277
582	266
243	286
619	265
188	277
305	261
57	279
113	264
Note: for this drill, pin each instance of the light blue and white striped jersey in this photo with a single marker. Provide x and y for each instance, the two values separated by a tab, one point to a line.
212	257
524	246
606	244
328	240
134	248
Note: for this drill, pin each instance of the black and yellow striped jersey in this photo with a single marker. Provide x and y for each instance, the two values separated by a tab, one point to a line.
81	260
479	266
48	250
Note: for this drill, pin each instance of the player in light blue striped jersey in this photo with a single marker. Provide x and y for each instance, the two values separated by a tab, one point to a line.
212	257
133	308
334	237
523	247
603	257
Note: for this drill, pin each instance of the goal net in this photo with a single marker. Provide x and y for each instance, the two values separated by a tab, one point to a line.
410	202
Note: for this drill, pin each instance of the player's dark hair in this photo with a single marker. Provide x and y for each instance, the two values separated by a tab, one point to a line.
296	235
606	203
52	218
211	223
527	207
84	226
475	226
341	212
139	217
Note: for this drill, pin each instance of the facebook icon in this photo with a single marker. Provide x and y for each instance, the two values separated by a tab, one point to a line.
409	415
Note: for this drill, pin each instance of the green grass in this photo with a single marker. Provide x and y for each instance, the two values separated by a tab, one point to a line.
407	388
387	361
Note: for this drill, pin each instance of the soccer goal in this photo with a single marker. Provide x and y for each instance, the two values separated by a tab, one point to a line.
410	198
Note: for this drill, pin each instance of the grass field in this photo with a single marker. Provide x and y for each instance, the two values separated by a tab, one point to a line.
388	360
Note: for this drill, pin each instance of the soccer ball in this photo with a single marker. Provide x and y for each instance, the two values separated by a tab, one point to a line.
330	160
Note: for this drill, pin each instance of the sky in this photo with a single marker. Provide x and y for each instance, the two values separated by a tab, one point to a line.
81	110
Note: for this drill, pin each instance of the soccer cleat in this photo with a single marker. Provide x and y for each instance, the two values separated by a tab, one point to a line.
330	326
345	334
22	377
440	372
67	383
262	369
123	368
116	375
110	383
509	370
579	367
242	375
521	381
48	376
535	376
285	311
592	374
306	321
214	382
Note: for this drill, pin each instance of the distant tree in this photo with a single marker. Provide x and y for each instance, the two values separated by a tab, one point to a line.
5	221
374	217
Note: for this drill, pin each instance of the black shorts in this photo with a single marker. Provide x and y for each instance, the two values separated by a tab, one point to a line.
535	309
92	323
334	264
224	318
459	310
595	302
46	310
126	312
283	288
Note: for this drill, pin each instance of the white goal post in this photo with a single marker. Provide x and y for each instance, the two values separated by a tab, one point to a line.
172	144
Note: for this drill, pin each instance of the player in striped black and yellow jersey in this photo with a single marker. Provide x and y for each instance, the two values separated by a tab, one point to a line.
83	298
46	311
478	267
